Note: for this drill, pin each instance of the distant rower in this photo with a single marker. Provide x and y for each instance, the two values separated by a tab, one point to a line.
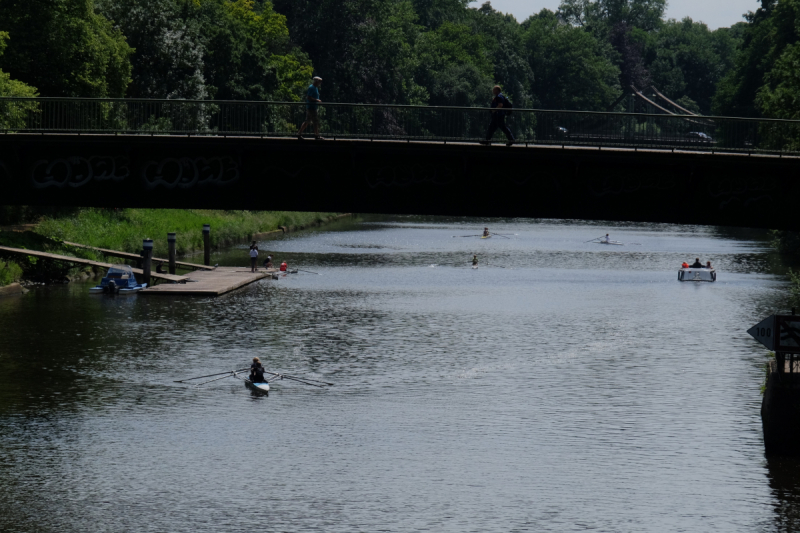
474	260
605	239
485	232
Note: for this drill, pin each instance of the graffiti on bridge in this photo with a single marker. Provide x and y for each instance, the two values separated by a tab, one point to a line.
188	172
747	192
77	171
404	176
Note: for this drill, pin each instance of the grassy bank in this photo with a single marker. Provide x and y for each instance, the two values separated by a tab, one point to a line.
124	230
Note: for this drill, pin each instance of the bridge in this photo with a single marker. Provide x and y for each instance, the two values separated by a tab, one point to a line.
399	160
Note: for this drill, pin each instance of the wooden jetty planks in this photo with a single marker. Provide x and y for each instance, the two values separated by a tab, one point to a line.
81	261
210	283
137	257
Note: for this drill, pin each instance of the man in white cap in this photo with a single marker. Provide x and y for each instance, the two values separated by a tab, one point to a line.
312	103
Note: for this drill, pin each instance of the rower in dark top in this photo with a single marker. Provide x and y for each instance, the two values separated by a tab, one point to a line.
257	371
474	260
697	263
485	232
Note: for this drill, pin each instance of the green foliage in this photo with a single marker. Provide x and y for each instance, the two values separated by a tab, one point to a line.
124	229
763	66
786	242
687	60
794	288
9	272
570	69
64	48
197	49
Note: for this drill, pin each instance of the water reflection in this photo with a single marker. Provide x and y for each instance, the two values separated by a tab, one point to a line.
784	480
561	386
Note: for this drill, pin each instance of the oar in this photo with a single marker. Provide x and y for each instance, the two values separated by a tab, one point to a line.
210	375
500	235
600	237
454	236
300	270
294	379
230	374
315	380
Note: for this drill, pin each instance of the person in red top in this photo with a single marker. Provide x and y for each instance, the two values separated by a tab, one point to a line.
685	265
284	266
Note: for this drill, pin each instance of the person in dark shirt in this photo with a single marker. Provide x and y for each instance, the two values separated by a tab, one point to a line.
160	268
499	102
257	371
697	263
474	260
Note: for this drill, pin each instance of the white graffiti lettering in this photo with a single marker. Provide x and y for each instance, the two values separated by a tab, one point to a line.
77	171
186	172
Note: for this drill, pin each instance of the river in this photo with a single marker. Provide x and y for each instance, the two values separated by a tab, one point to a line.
561	386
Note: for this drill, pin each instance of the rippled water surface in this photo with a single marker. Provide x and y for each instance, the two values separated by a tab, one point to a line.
562	386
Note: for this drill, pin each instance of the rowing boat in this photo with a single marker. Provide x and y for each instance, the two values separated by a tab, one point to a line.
263	388
486	236
614	243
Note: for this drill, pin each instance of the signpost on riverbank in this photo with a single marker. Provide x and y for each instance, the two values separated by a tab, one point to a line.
780	407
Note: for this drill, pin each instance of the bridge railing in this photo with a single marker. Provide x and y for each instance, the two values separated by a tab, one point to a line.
395	122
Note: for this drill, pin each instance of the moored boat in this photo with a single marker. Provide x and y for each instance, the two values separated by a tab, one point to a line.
118	280
697	274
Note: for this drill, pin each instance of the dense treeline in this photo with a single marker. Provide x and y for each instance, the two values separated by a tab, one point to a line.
583	56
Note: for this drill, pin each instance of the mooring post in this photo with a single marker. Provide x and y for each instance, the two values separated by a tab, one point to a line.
207	244
147	256
171	243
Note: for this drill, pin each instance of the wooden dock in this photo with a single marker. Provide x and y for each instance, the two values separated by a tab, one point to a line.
210	283
81	261
137	257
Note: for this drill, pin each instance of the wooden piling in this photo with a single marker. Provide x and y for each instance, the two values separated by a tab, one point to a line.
171	244
207	244
147	256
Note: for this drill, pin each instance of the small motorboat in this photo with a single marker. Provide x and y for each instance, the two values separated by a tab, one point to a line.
262	387
697	274
118	280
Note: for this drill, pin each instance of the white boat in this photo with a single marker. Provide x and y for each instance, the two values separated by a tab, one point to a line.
697	274
262	387
118	280
613	243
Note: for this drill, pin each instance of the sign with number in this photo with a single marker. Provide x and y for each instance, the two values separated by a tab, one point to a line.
763	332
780	333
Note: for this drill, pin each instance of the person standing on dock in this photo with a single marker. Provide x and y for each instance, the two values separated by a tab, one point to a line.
312	107
253	256
501	107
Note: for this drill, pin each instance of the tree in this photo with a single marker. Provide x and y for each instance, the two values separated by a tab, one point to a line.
168	62
9	86
601	16
569	67
64	48
687	60
364	49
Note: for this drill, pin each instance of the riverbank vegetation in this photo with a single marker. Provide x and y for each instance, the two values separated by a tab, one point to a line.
124	230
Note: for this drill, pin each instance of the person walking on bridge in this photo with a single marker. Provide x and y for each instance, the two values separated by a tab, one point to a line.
312	107
501	107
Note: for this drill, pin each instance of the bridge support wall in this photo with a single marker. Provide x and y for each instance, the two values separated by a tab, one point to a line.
399	178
